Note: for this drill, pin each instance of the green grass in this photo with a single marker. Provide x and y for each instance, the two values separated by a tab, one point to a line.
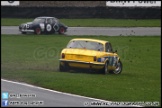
34	60
93	22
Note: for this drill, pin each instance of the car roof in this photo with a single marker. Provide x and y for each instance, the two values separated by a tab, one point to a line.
46	17
87	39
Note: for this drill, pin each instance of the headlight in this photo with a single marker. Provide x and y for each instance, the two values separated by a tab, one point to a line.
101	59
20	25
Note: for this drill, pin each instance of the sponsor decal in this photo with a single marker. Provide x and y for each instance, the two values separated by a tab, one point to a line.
10	3
133	3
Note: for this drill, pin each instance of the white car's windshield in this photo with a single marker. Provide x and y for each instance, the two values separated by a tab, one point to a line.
86	45
39	20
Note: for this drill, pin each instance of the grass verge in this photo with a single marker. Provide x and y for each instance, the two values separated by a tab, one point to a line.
92	22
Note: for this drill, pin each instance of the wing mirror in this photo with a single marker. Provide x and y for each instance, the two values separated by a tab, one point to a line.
115	51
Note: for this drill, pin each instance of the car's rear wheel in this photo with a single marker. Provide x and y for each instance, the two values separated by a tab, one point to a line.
118	68
38	31
23	32
61	30
64	67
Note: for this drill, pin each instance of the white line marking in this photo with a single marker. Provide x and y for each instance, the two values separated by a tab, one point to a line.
24	84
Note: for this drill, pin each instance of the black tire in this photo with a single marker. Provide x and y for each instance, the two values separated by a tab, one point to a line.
105	69
61	30
37	31
63	68
118	69
23	32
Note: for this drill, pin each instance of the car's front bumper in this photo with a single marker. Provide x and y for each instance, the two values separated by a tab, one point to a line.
82	64
25	30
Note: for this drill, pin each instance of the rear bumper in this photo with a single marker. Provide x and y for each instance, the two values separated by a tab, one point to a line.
82	64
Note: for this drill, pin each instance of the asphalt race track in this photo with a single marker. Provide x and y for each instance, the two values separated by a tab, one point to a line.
41	97
98	31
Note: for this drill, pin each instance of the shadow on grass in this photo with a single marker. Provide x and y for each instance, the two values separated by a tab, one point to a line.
98	72
85	71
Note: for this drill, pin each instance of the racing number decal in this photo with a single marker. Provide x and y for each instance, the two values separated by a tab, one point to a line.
42	26
112	60
56	27
48	27
26	26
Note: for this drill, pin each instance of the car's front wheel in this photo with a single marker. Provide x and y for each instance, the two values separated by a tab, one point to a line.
118	68
63	68
37	31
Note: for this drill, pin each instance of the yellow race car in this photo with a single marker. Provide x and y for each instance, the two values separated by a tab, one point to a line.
93	54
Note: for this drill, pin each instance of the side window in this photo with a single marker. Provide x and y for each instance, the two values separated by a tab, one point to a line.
53	20
108	47
49	21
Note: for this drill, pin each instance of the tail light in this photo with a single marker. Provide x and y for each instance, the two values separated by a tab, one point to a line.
95	58
63	55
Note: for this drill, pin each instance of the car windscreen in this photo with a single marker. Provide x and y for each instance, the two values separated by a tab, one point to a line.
86	45
39	20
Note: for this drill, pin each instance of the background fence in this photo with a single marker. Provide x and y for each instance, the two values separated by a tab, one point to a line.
78	9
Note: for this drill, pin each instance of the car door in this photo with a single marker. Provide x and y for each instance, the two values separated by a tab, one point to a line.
48	24
55	24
